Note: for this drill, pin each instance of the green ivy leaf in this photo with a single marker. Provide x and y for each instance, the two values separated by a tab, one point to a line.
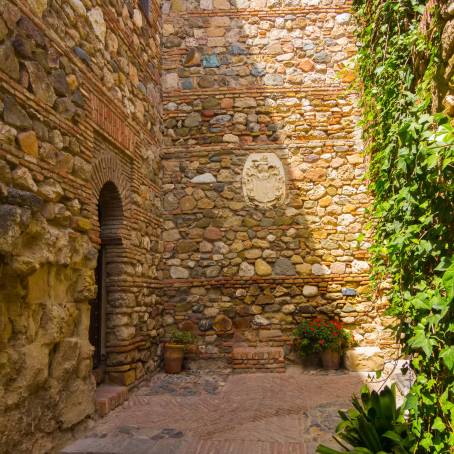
448	357
448	281
421	341
438	425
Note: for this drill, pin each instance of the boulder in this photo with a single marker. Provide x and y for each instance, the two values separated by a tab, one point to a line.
193	58
23	179
192	120
78	7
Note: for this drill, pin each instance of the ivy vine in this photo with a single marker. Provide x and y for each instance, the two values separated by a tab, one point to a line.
412	181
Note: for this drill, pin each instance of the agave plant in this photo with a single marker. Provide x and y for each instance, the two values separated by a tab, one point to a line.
375	425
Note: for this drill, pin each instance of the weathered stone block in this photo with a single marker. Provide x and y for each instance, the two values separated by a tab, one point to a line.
14	115
28	143
364	359
96	18
41	84
8	61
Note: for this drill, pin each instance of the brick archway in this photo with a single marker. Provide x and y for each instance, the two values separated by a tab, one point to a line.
111	191
109	168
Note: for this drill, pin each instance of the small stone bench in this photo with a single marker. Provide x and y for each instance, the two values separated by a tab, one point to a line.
258	359
109	397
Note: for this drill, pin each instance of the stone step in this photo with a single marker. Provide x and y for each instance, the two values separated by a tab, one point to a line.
258	359
109	397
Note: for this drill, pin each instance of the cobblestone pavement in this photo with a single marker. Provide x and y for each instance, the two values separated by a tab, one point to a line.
216	413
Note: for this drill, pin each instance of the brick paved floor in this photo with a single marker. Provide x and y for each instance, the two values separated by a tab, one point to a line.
215	413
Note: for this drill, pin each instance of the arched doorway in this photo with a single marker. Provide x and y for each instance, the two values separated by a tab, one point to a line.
110	215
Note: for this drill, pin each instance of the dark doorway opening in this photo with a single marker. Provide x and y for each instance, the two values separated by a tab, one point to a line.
110	215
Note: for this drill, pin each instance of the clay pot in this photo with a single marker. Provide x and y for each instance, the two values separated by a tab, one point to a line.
312	361
173	358
330	359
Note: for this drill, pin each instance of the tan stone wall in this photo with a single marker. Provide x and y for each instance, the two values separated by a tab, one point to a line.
438	17
248	254
79	106
444	91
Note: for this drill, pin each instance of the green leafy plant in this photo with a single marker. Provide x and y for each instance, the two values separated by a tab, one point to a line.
375	425
412	182
317	335
181	337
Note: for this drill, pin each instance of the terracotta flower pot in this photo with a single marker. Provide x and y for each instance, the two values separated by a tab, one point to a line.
173	358
331	359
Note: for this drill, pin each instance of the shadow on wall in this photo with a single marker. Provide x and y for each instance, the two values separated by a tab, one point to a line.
250	89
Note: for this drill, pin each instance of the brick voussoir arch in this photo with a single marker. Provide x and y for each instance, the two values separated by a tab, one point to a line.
108	169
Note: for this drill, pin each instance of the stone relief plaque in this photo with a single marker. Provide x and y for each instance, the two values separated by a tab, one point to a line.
264	182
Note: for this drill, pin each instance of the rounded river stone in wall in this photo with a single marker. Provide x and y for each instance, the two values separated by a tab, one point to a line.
263	179
205	325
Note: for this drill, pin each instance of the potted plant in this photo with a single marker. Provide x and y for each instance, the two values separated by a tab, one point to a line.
326	337
174	350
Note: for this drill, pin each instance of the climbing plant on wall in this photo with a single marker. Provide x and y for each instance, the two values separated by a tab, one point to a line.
412	180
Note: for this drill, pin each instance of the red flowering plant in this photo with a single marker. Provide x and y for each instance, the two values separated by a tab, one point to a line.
317	335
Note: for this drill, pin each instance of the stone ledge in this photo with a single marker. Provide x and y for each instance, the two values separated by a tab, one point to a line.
109	397
321	90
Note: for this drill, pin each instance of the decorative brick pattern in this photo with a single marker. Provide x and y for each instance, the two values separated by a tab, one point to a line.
109	168
260	359
239	413
113	126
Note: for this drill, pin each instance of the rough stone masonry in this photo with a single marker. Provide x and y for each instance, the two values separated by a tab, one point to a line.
79	121
263	184
210	150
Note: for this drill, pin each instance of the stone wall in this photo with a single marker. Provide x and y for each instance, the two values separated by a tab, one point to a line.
79	107
444	91
263	179
438	17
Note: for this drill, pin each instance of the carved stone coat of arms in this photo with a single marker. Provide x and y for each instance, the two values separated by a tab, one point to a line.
263	179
